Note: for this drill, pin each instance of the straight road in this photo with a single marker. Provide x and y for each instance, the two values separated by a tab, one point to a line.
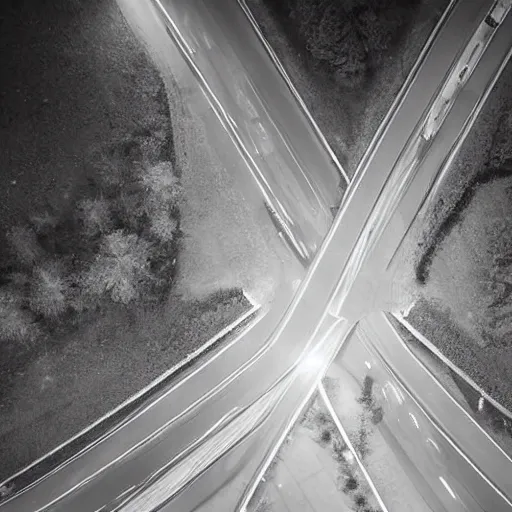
238	376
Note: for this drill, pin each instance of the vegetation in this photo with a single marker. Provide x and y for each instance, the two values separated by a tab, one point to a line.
48	291
350	38
367	400
24	245
349	478
118	246
91	216
16	324
121	268
95	216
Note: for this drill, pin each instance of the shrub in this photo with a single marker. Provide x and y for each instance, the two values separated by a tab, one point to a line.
130	210
19	281
361	444
380	22
330	35
350	36
161	183
47	291
24	245
322	418
95	216
360	500
377	415
16	324
152	147
339	447
121	269
351	484
163	226
366	397
326	436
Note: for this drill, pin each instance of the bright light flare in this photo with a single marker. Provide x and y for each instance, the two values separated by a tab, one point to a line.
312	363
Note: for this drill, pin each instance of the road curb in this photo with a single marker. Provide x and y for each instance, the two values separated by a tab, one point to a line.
455	369
275	59
109	423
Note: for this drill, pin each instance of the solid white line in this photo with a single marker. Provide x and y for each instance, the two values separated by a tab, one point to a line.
463	135
454	151
210	447
432	348
441	431
290	151
347	441
158	431
278	390
255	307
403	173
293	420
408	82
293	89
230	127
467	61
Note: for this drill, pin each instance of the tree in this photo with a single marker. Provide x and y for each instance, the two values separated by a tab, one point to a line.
16	324
47	291
121	269
161	183
24	245
95	216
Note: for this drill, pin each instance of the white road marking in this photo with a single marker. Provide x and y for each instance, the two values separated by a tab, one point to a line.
347	441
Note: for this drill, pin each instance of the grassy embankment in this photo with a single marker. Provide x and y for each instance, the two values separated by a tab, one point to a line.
320	427
91	236
462	253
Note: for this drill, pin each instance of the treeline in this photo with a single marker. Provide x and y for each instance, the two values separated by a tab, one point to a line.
350	37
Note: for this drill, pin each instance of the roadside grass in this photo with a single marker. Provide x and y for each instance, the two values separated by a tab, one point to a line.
88	313
24	245
16	324
460	252
58	386
320	427
89	287
48	291
96	283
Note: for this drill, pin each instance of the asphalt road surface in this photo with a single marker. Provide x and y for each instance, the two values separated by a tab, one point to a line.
417	411
297	174
241	373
